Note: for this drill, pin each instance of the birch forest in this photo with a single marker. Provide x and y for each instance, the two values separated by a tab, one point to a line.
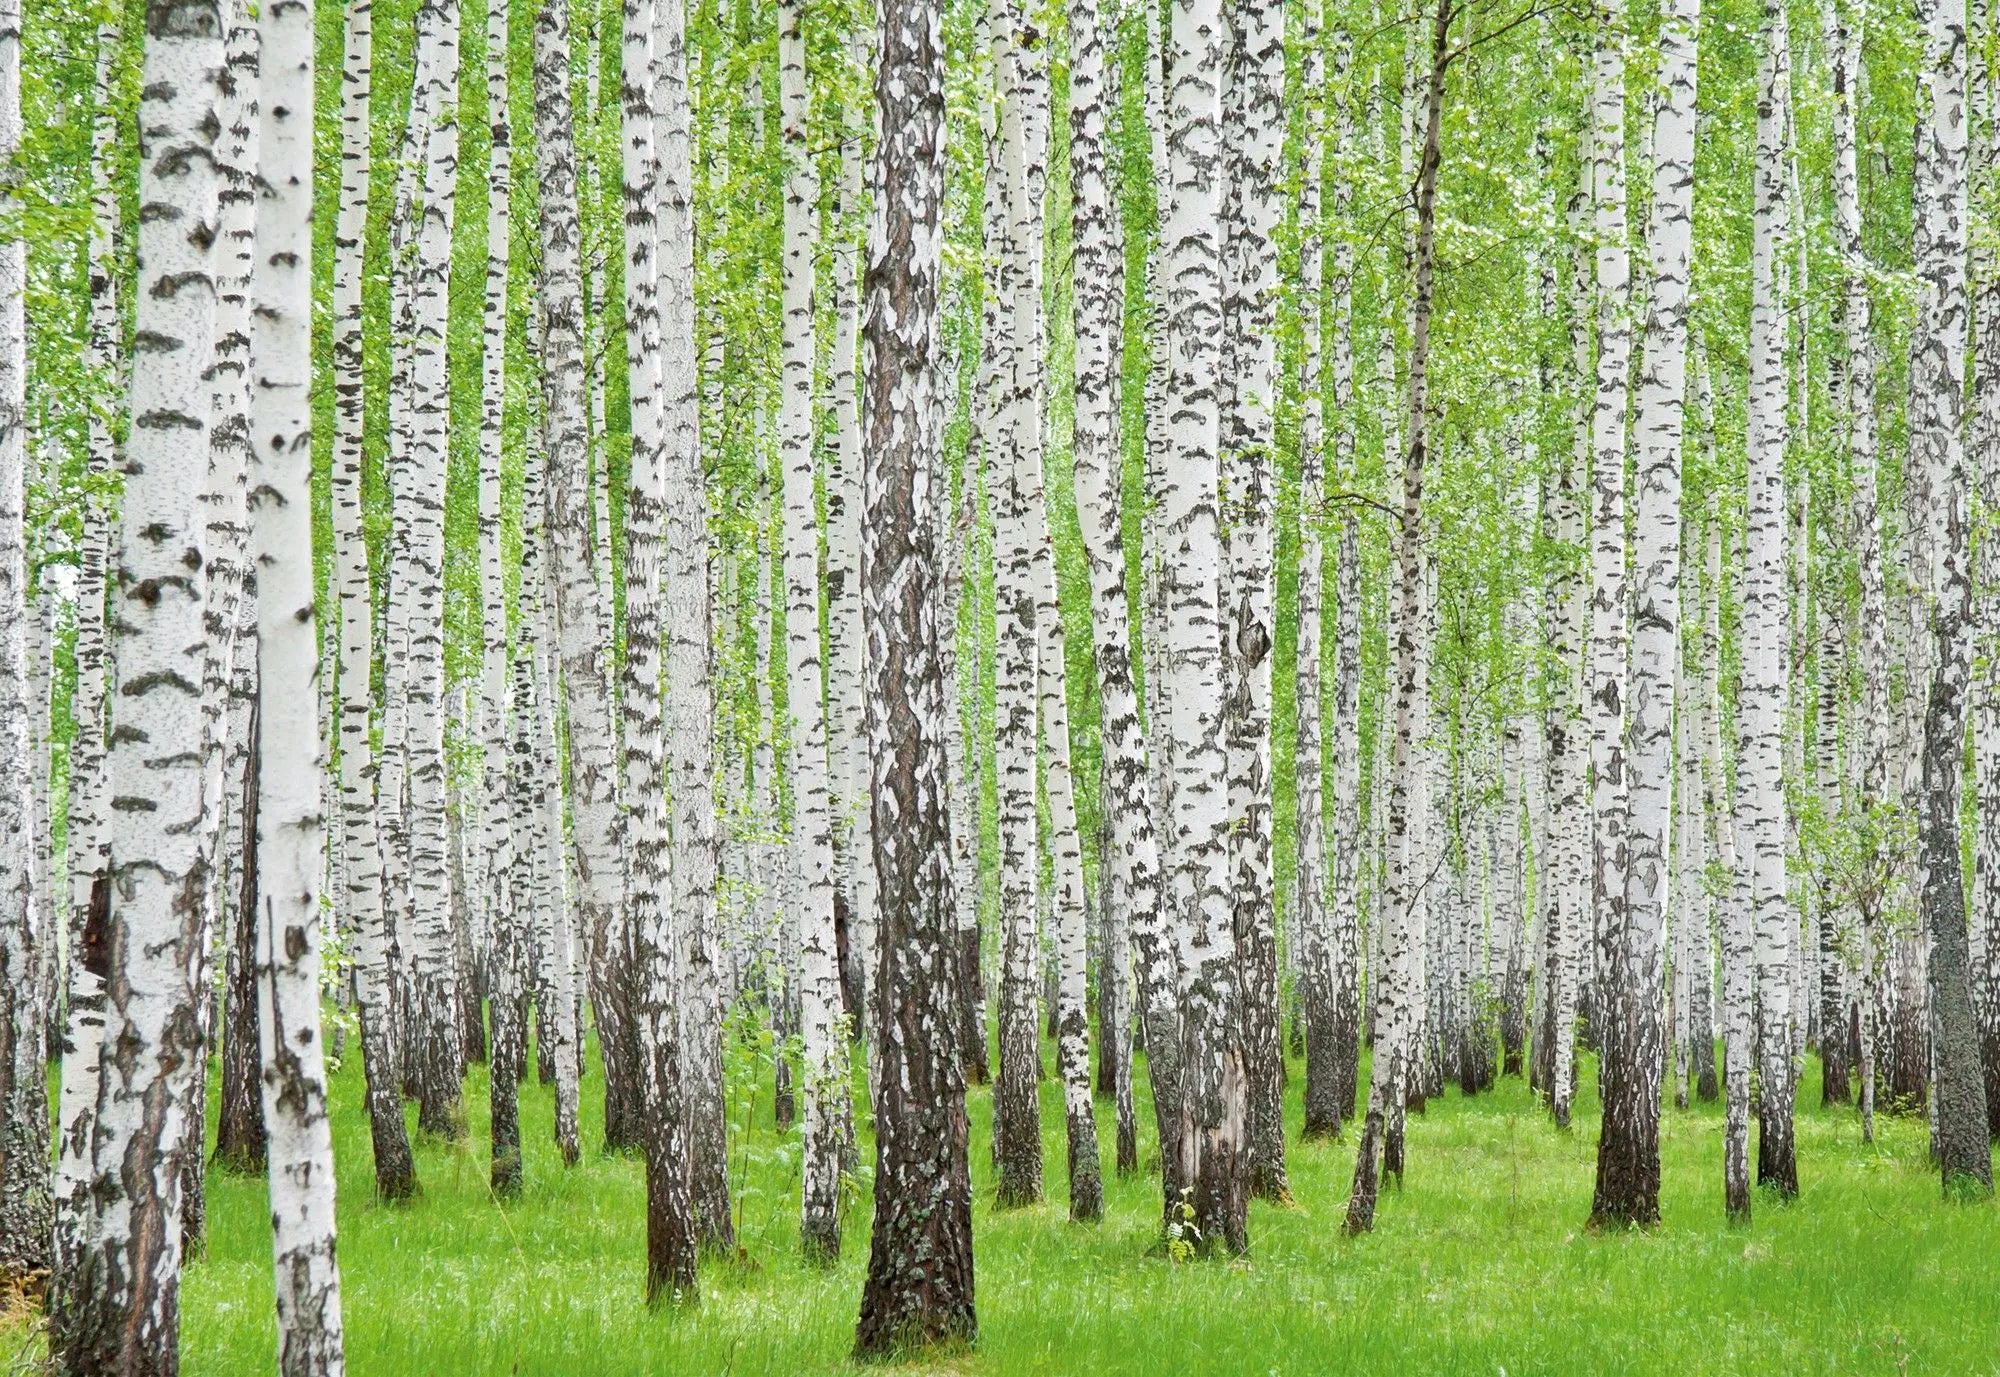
1322	679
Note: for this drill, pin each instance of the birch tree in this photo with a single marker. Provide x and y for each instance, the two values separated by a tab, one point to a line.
1605	671
920	1267
812	837
670	1231
1212	1145
1253	97
1937	369
290	822
1133	914
579	617
1311	942
1016	458
690	686
436	1054
88	859
116	1303
359	900
1628	1158
1760	696
1400	1005
25	1206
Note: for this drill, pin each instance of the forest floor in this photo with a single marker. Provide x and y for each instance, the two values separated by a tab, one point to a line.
1480	1264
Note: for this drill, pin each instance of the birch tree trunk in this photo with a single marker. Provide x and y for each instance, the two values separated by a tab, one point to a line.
1401	1009
1937	441
1628	1158
1984	952
555	939
579	616
670	1230
1343	1042
25	1206
1016	455
1310	941
853	853
690	686
496	845
1212	1147
920	1266
1760	801
1255	89
89	857
1086	1187
117	1303
1567	918
229	666
1134	912
1693	1029
436	1053
512	936
1605	671
359	907
812	837
290	820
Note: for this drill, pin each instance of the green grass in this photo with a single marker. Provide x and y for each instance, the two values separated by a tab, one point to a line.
1480	1264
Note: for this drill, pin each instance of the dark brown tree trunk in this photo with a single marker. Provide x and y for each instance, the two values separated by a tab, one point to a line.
617	1043
973	1045
1963	1152
239	1130
1834	1046
920	1275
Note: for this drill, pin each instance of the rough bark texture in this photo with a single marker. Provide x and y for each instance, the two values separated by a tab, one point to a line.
1400	1004
1761	694
670	1231
1015	458
1132	915
580	621
1311	951
1937	368
89	889
25	1206
1605	669
1212	1146
920	1269
1254	134
1628	1157
812	836
117	1300
434	1049
359	902
690	682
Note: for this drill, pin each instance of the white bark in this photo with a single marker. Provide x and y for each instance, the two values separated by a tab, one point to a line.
417	476
1605	671
496	845
579	607
555	938
1131	912
1761	695
118	1303
290	819
1213	1139
83	1021
1254	97
1015	479
1628	1159
690	683
812	836
24	1147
